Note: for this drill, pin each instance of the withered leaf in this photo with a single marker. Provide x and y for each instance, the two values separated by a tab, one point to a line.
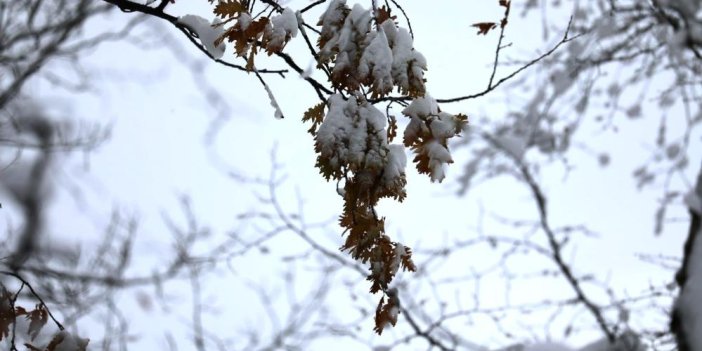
484	27
37	320
229	8
315	114
382	14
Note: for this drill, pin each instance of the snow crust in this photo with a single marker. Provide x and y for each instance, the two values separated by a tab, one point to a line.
207	33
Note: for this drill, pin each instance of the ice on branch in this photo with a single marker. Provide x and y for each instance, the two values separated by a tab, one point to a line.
207	33
428	133
379	59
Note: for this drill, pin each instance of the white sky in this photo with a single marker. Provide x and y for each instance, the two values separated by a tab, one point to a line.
156	152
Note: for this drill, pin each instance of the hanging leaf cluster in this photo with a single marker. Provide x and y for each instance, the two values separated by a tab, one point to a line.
352	147
366	56
352	139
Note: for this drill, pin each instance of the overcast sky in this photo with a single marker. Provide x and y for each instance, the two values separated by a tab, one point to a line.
160	120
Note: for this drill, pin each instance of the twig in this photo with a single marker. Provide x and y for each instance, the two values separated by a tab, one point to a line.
490	88
556	255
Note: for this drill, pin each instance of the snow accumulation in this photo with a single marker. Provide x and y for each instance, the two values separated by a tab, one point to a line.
400	252
382	58
396	164
435	127
284	27
345	40
353	135
330	20
244	20
408	65
376	63
206	31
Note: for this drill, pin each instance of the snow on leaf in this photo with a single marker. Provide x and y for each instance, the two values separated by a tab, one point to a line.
380	58
394	180
408	64
375	66
352	136
207	32
427	135
282	28
331	21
